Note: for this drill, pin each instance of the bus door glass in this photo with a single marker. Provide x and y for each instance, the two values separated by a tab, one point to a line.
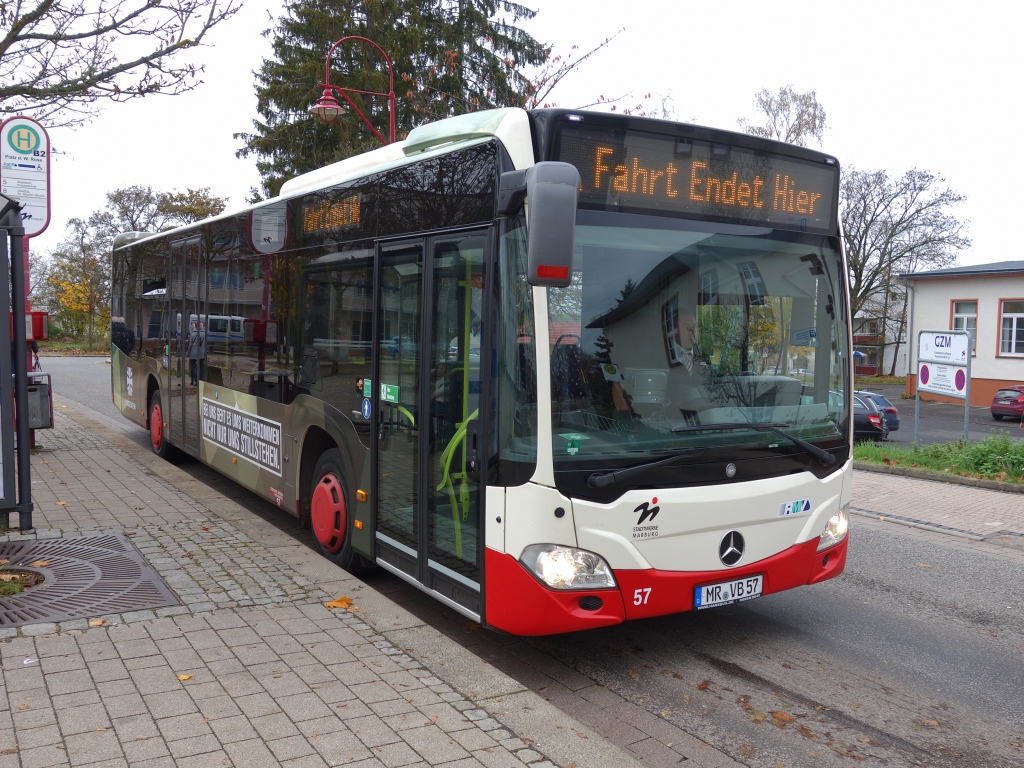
188	299
429	392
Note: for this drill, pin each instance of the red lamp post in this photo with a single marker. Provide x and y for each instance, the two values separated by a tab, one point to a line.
328	107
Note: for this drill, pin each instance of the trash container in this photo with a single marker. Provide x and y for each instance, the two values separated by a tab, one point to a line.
40	401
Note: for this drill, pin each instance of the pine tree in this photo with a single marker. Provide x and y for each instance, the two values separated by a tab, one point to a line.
449	57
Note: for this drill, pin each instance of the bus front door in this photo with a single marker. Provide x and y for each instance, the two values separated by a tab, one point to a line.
188	297
427	392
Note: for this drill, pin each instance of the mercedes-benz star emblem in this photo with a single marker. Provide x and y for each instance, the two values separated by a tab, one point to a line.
730	551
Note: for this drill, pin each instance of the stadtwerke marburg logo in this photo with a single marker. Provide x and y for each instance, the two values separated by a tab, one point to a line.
24	139
647	511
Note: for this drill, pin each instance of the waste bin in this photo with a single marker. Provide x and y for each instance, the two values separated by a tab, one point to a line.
40	401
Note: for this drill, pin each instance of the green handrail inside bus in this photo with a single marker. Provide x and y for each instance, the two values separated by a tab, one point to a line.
460	505
405	412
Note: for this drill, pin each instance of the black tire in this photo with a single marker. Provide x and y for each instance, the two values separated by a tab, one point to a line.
330	517
157	428
997	416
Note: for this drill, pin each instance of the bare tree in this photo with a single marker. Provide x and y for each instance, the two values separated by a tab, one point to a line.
59	59
892	226
557	67
790	116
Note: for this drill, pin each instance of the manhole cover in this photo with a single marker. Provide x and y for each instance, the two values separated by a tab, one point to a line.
89	576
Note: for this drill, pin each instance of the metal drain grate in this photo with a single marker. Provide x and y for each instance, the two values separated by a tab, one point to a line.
89	576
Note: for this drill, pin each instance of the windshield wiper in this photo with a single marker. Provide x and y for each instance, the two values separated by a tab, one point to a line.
820	454
601	479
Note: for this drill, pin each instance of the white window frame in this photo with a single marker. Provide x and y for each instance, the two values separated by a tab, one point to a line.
967	321
1011	334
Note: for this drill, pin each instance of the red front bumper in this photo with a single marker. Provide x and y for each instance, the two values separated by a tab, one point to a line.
517	603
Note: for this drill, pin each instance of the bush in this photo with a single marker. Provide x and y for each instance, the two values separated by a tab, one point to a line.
995	458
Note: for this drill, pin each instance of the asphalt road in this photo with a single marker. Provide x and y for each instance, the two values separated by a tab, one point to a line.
911	658
944	422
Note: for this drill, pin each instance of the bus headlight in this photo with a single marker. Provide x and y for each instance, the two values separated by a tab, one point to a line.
563	567
835	530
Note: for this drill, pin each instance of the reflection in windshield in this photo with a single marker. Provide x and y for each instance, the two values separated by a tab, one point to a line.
665	327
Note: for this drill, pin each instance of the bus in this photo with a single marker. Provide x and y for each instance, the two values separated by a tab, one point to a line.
558	369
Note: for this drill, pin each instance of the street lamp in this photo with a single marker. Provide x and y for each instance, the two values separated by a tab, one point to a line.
330	109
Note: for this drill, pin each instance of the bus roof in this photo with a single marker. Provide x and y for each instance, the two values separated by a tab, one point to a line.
509	125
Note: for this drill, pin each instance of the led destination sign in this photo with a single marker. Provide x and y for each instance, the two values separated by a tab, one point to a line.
636	171
332	214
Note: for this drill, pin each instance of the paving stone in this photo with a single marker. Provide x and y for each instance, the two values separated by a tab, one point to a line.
286	683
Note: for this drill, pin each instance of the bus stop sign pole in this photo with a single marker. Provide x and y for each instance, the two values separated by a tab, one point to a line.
12	267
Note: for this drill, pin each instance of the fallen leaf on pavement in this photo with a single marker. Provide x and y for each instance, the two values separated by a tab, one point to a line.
781	718
341	602
97	622
184	677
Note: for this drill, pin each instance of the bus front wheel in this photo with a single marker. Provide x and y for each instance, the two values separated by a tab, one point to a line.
157	432
329	513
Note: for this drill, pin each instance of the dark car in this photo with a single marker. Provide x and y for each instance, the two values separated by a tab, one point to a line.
892	416
868	421
1008	401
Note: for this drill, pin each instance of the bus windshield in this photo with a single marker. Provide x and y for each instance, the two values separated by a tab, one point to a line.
681	335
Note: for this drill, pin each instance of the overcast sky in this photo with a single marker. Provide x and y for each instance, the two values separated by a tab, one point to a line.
905	84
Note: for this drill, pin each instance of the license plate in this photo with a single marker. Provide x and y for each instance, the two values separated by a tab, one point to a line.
727	592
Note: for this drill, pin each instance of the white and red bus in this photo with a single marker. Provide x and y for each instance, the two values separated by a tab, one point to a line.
558	369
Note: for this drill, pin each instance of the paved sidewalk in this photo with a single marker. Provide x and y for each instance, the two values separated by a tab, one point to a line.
251	669
964	510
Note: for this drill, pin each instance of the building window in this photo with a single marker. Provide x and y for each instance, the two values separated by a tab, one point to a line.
1011	339
965	318
670	323
709	288
754	284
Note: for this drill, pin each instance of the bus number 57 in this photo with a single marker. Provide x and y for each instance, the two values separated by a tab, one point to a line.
640	596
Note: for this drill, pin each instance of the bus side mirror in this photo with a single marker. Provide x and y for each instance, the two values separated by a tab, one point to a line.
511	192
552	190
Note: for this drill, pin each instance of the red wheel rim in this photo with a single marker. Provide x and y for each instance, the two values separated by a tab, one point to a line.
156	427
327	510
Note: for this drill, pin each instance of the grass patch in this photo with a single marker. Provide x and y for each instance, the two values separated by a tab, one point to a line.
69	347
868	382
14	582
994	458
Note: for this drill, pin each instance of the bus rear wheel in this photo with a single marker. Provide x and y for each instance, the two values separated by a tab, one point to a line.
329	516
157	434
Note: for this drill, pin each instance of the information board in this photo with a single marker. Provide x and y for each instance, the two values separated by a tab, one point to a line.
944	368
944	347
942	379
25	170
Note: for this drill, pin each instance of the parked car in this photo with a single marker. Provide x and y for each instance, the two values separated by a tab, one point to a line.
1008	401
892	415
868	421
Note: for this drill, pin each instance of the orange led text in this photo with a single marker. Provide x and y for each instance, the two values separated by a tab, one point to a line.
331	214
634	178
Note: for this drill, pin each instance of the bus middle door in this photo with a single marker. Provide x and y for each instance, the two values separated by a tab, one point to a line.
188	302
